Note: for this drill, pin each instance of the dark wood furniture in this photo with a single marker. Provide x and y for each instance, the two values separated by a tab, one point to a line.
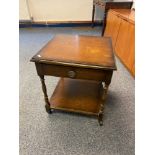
83	63
109	4
121	28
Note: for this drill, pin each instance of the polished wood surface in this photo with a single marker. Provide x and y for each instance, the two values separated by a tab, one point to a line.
89	51
112	27
125	44
77	96
122	40
47	105
73	72
76	58
126	14
123	36
132	16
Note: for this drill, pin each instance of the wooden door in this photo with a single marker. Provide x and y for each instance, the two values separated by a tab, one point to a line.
131	48
125	44
112	26
121	46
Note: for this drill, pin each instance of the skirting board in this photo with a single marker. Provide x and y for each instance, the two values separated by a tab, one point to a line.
58	24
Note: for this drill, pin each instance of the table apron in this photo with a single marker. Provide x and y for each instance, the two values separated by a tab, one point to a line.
74	72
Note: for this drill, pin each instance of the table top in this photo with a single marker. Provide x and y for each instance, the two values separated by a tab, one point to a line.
128	14
74	50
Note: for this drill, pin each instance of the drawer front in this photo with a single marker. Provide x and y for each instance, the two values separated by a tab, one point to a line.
71	72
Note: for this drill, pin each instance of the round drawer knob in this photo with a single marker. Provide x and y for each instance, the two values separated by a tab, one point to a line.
71	74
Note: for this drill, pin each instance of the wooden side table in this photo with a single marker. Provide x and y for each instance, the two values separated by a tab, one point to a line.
83	63
109	4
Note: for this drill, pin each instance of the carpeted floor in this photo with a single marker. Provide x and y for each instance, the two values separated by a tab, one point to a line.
70	134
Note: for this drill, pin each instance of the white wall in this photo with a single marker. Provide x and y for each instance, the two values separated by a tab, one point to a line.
59	10
23	10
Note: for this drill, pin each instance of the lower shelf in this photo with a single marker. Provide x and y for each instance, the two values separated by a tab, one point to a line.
81	96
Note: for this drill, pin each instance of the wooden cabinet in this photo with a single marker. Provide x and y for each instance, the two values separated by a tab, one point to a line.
130	59
125	44
113	23
120	27
133	69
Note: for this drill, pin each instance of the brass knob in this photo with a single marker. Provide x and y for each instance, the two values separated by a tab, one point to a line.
71	74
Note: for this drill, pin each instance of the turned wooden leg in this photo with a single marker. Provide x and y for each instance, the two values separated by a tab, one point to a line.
93	13
47	103
104	96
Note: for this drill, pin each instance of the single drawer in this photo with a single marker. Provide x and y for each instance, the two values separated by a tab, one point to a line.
71	72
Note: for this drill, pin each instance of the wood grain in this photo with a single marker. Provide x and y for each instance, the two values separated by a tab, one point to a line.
77	96
80	50
122	43
85	62
121	28
80	73
112	27
126	43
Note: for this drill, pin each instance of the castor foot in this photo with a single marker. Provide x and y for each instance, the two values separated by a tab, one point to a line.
48	109
100	123
100	119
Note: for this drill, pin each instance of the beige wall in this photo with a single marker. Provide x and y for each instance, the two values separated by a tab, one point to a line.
23	10
58	10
